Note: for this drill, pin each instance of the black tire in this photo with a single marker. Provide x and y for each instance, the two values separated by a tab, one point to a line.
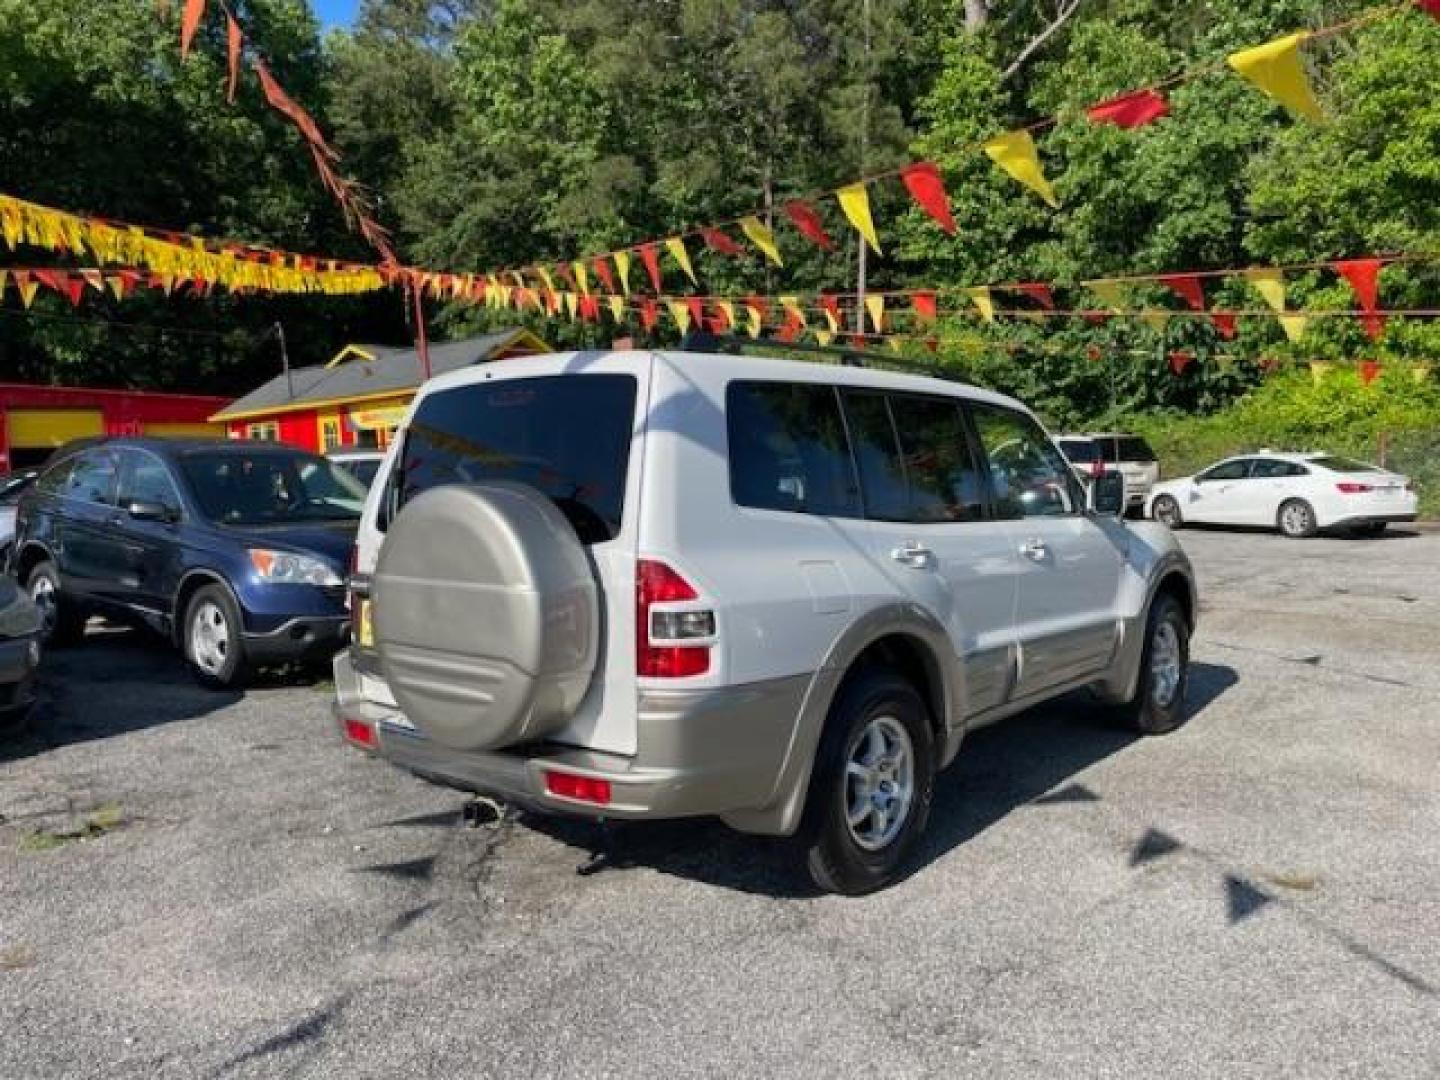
838	860
216	655
1296	519
61	622
1167	511
1158	707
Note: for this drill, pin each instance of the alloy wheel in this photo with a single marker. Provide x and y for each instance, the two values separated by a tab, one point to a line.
1166	666
879	788
209	638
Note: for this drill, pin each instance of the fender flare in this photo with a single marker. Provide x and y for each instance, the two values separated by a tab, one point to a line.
211	577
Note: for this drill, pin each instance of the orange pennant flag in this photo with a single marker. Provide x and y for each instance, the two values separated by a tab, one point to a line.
233	43
189	23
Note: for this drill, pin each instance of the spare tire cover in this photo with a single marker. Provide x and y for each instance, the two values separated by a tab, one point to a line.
485	615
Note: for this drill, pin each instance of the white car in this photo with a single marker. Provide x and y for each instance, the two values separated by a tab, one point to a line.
1299	494
655	585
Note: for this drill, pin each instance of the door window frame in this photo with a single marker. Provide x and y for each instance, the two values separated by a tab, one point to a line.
79	461
1073	487
130	453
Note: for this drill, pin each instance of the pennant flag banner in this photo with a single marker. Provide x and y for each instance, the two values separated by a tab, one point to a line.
650	256
980	297
1270	284
729	310
1225	323
1187	287
793	310
875	305
190	18
1179	361
622	264
716	240
1277	69
1131	110
756	319
1294	326
832	310
925	306
762	237
1112	294
602	271
649	313
680	312
807	219
1015	153
1041	294
582	277
923	182
617	308
1369	371
855	201
233	44
676	246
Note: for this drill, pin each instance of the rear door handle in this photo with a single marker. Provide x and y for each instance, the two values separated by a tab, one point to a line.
1034	549
914	554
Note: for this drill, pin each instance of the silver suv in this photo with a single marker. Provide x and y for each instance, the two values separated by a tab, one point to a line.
650	585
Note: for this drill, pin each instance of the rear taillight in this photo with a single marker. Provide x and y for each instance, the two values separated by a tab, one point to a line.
579	788
359	733
660	636
1349	487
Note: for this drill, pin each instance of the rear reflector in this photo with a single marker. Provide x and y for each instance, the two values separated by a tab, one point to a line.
1349	487
360	733
580	788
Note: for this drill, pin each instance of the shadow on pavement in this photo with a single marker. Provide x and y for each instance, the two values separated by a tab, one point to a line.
115	681
1031	758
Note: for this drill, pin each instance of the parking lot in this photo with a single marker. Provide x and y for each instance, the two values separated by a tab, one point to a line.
200	884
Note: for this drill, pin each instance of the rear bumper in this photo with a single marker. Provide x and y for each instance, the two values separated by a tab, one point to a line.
1354	520
699	752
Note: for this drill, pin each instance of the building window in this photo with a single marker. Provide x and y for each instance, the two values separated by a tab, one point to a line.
265	431
329	433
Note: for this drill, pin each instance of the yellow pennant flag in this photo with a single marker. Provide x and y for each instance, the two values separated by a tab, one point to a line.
763	238
1318	370
1271	285
676	246
1015	153
855	201
582	277
729	309
617	308
1156	319
894	343
1112	294
27	287
622	263
518	278
875	305
1277	70
1294	326
756	322
792	305
571	302
545	277
980	297
680	312
832	320
4	277
824	337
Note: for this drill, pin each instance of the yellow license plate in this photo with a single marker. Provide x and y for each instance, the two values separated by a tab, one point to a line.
367	626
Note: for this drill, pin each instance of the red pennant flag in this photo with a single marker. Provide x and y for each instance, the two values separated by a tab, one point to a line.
566	275
832	305
233	42
94	278
52	280
1225	323
590	308
1369	371
807	220
715	323
1096	318
1363	276
650	256
926	187
1041	294
602	271
925	305
718	241
1187	287
1374	324
649	311
189	23
788	332
1131	110
857	341
1179	361
1432	6
720	320
697	310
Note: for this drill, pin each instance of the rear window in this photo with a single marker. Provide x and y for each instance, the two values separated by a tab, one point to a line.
1080	451
565	435
1341	464
1130	448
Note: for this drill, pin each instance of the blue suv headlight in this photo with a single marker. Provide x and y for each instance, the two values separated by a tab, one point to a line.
288	568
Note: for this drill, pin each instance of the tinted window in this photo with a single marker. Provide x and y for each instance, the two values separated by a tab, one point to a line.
238	488
1129	448
12	487
877	456
52	481
566	435
1228	470
145	479
363	470
1080	451
1030	477
1340	464
788	449
93	478
1269	469
944	482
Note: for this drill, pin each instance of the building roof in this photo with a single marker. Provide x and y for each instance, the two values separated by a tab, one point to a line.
370	371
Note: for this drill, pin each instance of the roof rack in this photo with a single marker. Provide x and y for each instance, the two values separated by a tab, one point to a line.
846	355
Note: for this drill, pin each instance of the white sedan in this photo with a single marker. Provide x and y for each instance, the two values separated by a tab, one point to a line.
1299	494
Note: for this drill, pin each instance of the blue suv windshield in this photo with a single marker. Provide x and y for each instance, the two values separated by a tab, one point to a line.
266	488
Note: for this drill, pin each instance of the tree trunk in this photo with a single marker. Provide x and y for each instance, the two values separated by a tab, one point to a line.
977	12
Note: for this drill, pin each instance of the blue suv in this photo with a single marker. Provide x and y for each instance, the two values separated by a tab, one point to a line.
237	551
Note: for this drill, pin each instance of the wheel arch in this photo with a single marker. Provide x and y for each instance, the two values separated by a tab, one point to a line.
30	555
191	583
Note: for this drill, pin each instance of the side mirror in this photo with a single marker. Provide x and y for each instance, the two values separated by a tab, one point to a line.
148	511
1107	494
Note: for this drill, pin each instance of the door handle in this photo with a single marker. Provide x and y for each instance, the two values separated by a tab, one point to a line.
1034	549
914	554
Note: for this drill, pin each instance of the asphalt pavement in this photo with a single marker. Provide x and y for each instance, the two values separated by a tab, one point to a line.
196	884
